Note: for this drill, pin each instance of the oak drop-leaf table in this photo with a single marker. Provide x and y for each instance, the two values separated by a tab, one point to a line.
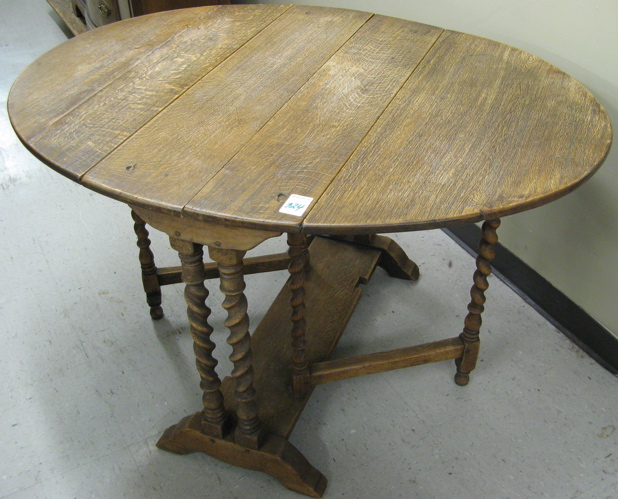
225	126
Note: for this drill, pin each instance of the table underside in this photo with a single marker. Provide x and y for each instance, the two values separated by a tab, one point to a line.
332	291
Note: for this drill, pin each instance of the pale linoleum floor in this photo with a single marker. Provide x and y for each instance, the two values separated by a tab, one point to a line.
89	382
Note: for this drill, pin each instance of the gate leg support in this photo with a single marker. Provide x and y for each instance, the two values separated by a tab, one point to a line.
470	335
150	279
301	384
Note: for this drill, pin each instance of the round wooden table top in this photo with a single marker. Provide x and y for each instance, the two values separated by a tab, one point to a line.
322	120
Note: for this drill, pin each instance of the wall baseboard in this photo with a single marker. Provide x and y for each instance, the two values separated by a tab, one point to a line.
555	306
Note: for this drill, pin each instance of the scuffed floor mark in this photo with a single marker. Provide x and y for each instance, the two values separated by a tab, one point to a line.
607	431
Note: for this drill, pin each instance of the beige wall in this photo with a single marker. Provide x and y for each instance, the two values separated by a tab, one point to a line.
571	242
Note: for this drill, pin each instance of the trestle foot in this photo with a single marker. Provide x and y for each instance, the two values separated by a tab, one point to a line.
393	258
276	457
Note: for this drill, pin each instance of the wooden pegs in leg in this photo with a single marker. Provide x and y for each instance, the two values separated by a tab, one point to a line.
470	335
150	279
301	378
215	422
249	431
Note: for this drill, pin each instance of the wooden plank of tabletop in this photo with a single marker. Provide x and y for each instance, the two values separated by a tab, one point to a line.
183	147
88	132
301	149
69	74
480	130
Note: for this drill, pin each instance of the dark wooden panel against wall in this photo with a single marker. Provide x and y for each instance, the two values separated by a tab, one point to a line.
141	7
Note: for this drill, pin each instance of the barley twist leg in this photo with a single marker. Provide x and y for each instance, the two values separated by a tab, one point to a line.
214	419
300	369
470	335
150	279
249	431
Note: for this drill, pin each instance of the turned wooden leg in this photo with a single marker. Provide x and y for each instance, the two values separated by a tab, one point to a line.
214	419
300	368
249	431
150	279
472	325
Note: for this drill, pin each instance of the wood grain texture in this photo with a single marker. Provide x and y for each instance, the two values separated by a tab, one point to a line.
150	275
340	369
180	150
210	234
249	431
252	265
332	292
96	126
301	149
480	130
215	421
277	457
393	258
217	114
298	244
472	323
71	73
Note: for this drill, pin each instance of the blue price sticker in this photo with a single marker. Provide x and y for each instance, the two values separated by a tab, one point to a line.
296	205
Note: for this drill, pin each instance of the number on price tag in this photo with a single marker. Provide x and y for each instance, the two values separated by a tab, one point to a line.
296	205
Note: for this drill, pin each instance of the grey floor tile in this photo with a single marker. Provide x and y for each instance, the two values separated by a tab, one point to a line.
115	475
195	475
36	491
